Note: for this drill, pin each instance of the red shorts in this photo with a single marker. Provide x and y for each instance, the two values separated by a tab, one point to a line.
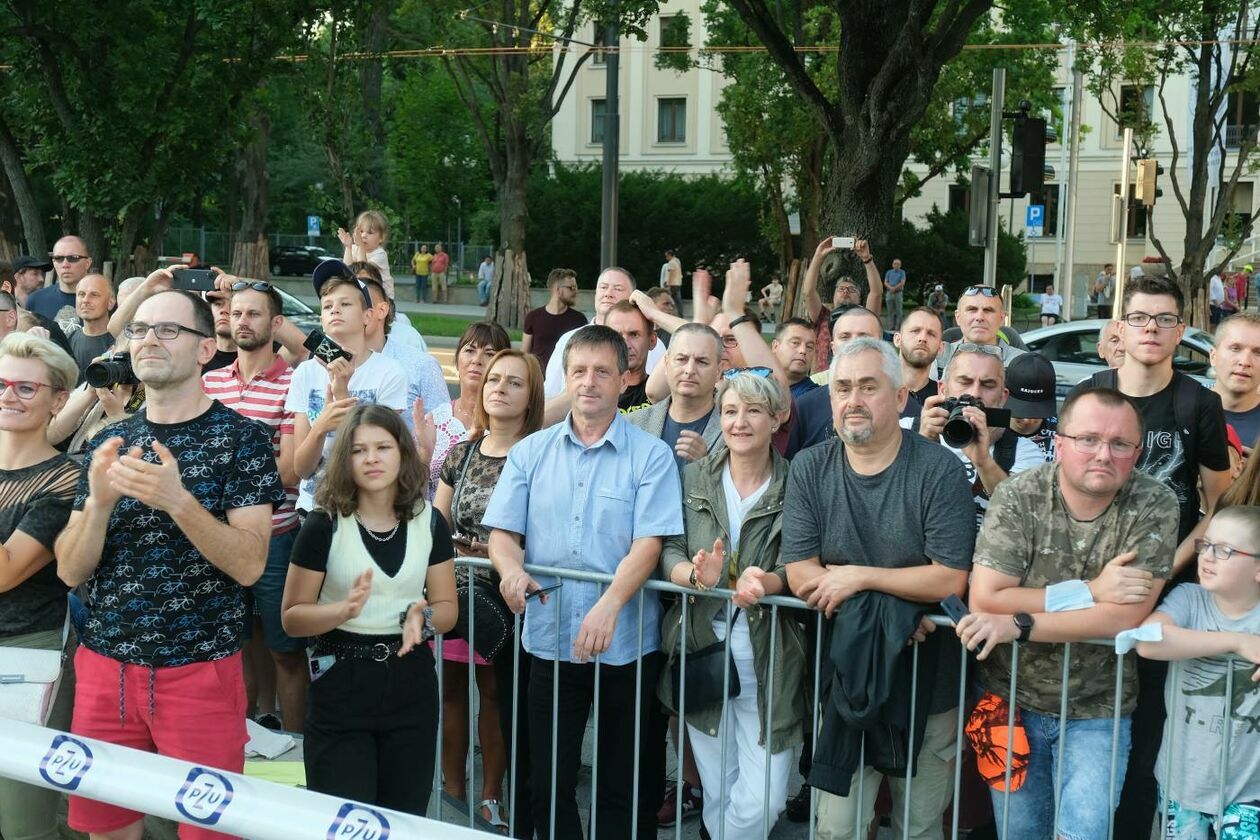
198	714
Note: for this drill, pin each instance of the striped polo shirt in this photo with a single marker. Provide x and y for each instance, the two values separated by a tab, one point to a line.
261	399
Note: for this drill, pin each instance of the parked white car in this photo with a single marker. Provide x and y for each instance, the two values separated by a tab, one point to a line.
1072	346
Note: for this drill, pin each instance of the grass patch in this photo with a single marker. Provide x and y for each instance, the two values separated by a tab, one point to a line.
450	326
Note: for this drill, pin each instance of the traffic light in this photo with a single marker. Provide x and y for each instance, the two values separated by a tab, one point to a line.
1146	187
1028	155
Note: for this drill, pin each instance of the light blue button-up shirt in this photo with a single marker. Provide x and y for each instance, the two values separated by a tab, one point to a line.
580	507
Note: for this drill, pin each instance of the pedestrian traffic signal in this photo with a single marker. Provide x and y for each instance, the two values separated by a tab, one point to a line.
1028	155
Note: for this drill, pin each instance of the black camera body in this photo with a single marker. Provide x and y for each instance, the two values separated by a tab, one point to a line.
958	431
116	370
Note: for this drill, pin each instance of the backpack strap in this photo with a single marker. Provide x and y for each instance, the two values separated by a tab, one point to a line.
1004	451
1186	414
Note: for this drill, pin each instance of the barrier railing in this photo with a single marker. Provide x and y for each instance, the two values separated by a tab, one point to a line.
862	820
231	803
236	804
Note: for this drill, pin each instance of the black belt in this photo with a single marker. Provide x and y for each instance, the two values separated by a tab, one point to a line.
376	651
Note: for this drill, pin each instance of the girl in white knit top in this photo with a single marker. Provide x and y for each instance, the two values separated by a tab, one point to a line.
370	578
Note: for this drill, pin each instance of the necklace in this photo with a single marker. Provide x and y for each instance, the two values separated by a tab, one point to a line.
372	533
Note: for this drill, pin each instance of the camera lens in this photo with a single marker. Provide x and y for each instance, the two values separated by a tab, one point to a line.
116	370
958	431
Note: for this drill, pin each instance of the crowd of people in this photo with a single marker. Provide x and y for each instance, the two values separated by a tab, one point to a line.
252	522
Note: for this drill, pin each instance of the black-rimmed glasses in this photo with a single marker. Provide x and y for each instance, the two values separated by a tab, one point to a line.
1221	553
164	330
1164	320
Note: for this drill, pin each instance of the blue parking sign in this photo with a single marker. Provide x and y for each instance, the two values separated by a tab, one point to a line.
1035	219
312	225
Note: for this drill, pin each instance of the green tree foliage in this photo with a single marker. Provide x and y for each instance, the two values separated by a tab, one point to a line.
710	220
132	109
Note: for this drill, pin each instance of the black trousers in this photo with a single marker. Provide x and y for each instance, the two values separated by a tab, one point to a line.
1139	798
614	792
512	706
371	731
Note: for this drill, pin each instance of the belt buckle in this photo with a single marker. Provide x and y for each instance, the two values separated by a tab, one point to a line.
383	654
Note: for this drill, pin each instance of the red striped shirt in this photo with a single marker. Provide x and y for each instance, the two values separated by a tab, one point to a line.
261	399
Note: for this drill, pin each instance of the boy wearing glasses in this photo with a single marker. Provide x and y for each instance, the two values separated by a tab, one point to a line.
1048	570
1184	444
1204	623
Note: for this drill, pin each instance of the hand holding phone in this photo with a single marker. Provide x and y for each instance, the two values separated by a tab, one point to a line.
194	279
845	242
324	348
954	608
543	590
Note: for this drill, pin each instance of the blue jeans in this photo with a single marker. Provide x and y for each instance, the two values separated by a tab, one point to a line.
1084	806
422	287
483	291
268	591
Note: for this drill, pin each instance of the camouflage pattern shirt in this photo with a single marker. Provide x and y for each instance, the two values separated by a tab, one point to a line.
1029	534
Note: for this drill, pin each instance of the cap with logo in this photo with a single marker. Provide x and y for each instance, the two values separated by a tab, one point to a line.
23	263
328	269
1031	382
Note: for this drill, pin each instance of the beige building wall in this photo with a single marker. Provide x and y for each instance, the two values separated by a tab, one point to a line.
645	137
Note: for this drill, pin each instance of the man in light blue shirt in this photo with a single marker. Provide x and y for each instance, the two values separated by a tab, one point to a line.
593	494
485	279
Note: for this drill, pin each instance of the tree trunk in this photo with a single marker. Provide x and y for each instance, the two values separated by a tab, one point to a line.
370	72
857	205
23	195
509	298
93	235
249	256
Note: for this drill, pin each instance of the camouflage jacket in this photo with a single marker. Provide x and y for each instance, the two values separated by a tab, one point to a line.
1029	534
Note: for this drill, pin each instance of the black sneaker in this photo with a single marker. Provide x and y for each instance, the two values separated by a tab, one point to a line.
798	806
271	721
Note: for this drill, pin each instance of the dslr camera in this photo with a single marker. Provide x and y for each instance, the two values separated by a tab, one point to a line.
116	370
958	431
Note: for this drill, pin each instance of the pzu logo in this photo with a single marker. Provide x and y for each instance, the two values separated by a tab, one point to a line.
357	822
204	796
66	762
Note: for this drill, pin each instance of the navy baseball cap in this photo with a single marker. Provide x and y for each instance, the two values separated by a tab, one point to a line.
23	263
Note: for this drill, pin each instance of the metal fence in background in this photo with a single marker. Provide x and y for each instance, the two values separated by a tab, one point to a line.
1174	728
215	248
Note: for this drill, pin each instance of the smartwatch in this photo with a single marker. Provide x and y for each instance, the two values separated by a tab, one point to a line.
1024	622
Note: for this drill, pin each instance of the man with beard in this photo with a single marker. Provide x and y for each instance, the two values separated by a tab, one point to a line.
93	298
1236	358
919	342
878	518
544	325
793	345
614	285
845	295
255	385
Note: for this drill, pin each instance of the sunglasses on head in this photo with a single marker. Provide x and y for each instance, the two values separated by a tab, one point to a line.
987	291
759	370
256	285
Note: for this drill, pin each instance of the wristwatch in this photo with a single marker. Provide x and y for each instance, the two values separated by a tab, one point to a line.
735	322
1024	622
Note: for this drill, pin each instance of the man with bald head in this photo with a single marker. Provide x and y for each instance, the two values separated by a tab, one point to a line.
614	285
93	299
71	262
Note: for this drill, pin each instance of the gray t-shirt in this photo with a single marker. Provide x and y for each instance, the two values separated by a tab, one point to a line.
917	510
88	347
1198	706
673	429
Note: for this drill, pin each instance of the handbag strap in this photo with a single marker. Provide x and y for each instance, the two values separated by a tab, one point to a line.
459	482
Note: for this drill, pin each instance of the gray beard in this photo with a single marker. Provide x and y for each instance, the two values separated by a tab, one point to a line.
857	438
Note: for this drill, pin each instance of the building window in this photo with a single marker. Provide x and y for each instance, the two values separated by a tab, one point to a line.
959	198
671	120
964	106
1135	215
1134	107
1050	201
598	113
599	38
674	31
1242	116
1237	224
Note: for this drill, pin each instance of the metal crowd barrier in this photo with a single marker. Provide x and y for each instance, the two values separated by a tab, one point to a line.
862	820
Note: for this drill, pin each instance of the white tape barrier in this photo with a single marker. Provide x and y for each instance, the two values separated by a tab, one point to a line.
179	790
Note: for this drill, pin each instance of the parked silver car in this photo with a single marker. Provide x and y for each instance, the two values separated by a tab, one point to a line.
1072	346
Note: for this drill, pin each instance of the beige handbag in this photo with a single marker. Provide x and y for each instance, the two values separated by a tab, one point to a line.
29	679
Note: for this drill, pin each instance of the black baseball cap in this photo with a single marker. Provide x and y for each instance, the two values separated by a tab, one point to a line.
1031	382
23	263
328	269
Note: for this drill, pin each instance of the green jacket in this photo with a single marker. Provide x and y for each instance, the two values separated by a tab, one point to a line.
704	520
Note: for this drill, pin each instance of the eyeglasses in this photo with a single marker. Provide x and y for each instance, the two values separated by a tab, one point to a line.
759	370
256	285
1090	444
24	390
68	258
972	347
986	291
1164	320
165	331
1219	552
730	341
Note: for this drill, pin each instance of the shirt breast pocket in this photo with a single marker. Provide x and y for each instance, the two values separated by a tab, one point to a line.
614	514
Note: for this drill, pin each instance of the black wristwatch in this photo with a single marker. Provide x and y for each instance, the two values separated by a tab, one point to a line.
735	322
1024	622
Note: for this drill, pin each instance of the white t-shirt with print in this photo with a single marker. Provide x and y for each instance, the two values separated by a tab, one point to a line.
378	380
